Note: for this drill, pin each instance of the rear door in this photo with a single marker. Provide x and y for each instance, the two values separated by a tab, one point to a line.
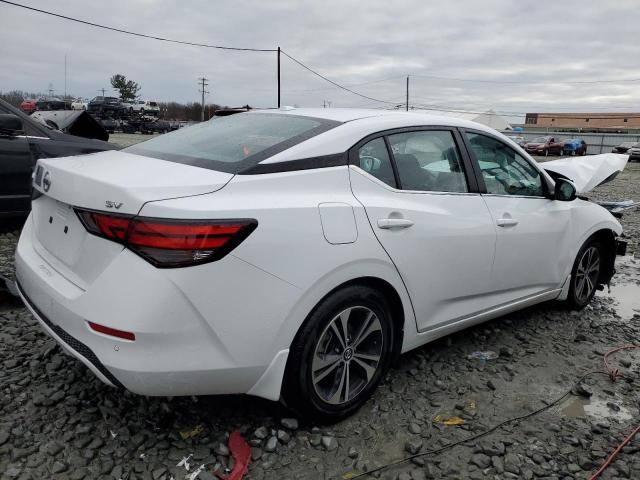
533	231
425	211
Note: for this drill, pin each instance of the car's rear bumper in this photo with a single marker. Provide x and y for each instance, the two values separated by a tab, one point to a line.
179	348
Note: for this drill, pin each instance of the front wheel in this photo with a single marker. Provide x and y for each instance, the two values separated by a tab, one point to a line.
340	354
584	275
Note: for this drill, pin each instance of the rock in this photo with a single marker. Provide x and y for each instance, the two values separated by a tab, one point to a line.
289	423
580	337
506	352
58	467
583	391
4	436
329	443
415	428
53	448
512	463
256	453
159	472
271	444
261	433
222	450
491	385
283	437
498	464
625	363
353	453
480	460
413	445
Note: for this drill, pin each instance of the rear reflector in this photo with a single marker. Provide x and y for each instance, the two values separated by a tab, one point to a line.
112	331
170	243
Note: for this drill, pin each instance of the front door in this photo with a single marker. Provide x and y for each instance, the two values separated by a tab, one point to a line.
436	230
533	231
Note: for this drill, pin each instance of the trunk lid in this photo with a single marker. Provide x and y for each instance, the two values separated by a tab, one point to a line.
114	182
125	180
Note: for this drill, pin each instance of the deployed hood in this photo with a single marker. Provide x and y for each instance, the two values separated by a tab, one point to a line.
588	172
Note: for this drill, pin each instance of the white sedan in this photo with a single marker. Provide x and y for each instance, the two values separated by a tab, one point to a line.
292	254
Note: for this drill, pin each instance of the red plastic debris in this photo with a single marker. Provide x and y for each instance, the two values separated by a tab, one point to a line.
241	453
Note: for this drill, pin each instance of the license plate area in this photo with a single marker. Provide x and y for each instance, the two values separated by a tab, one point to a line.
58	229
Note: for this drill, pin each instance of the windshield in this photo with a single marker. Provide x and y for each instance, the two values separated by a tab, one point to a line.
540	140
232	144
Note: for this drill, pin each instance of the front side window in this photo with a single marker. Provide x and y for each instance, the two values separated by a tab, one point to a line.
373	158
234	143
504	171
428	161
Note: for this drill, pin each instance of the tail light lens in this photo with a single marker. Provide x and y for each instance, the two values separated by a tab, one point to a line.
167	243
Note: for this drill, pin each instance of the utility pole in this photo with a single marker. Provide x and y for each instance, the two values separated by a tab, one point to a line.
407	107
278	77
203	84
102	90
51	90
65	77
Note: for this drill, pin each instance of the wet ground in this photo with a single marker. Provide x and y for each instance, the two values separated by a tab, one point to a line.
58	421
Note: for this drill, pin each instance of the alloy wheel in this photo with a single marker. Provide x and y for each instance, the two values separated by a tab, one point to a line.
347	355
587	274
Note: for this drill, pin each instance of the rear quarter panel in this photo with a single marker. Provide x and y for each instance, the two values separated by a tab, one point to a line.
288	244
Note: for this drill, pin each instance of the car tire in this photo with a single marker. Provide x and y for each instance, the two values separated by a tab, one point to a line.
584	275
331	373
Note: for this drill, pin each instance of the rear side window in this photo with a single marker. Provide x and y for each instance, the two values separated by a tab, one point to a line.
428	161
373	158
233	143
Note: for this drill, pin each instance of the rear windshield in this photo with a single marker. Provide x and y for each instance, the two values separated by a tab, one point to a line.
234	143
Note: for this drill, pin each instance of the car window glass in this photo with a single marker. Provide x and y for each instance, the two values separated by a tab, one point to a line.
428	161
504	171
373	158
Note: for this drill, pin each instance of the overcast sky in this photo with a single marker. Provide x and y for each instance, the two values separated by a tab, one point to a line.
368	45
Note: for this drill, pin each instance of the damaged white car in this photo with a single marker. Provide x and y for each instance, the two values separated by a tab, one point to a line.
293	254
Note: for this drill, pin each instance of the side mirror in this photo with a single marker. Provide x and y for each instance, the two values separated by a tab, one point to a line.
10	124
565	191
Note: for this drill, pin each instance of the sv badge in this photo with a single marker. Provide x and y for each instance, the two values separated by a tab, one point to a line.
110	204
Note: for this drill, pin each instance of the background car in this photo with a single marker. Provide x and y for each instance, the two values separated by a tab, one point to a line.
22	142
29	106
296	253
158	126
52	103
634	153
79	104
145	108
105	106
544	146
574	146
623	147
519	139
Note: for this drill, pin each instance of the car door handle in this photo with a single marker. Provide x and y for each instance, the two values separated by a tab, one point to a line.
388	223
507	222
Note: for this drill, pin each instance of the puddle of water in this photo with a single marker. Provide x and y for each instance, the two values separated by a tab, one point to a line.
593	407
627	299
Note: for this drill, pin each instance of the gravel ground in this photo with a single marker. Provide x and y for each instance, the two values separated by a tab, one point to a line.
58	421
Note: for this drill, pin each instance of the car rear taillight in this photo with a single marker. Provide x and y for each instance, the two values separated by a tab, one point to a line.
169	243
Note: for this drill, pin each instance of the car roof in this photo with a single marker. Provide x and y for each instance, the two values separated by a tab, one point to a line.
359	123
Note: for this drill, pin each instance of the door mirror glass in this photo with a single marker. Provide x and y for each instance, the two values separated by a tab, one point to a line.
565	191
10	124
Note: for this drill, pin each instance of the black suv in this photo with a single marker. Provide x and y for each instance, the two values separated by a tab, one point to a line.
22	142
105	106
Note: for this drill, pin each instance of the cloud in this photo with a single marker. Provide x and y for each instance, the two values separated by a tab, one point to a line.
540	43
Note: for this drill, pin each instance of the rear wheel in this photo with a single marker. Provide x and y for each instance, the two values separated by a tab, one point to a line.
584	275
340	354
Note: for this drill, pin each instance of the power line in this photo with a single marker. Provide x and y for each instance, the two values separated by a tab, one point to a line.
153	37
332	82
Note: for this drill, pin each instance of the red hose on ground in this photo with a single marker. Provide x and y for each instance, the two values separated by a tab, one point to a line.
614	374
608	461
